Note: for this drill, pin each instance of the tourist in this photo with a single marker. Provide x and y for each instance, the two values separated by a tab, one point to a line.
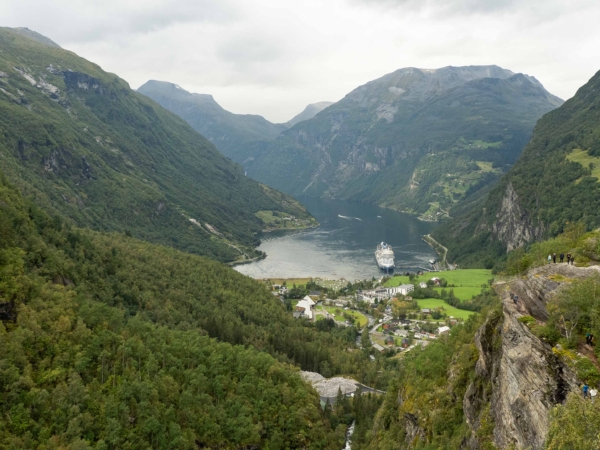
562	257
554	258
585	390
568	258
593	393
572	260
587	338
549	259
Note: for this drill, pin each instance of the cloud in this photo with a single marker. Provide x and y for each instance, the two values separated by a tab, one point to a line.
273	57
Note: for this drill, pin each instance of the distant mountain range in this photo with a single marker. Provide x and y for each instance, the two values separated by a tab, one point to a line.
415	140
84	145
238	136
554	182
309	112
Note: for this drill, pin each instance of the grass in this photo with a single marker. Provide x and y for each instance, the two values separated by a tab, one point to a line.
361	320
463	293
433	303
582	157
459	278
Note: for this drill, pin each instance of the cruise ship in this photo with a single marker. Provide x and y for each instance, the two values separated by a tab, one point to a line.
384	256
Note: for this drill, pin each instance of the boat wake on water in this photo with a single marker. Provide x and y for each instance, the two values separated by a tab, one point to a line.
349	218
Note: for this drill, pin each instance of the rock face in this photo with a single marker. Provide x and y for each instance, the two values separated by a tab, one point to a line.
309	112
513	227
518	375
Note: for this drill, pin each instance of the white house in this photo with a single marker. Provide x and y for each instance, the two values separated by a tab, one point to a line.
371	296
307	306
423	285
403	289
441	330
403	333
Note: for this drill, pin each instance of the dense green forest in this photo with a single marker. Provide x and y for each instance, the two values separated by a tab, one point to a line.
108	341
555	182
86	146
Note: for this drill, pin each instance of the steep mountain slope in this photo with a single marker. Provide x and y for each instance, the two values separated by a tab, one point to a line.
83	144
309	112
35	36
555	181
417	140
232	134
108	342
494	382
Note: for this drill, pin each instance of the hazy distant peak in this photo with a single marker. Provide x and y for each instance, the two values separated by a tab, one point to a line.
309	112
35	36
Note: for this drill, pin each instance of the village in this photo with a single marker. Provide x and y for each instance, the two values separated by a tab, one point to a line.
399	313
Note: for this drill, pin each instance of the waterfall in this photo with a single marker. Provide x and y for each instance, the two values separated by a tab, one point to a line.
349	436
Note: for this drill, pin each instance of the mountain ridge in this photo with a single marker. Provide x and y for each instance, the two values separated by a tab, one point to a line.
85	145
550	185
376	144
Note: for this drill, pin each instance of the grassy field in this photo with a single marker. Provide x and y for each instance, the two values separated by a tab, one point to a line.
582	157
463	293
290	281
433	303
459	278
361	320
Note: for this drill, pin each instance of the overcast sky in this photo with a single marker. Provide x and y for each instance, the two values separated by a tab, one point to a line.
273	57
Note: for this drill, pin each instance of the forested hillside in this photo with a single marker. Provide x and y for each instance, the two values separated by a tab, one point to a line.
83	144
555	181
107	340
416	140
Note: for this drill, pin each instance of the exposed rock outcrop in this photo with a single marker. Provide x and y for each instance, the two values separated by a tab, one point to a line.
513	226
518	375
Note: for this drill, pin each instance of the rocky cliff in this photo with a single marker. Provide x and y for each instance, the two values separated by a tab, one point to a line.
519	378
489	384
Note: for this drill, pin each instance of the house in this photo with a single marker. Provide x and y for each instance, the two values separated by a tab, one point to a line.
420	336
432	336
441	330
405	342
426	311
283	290
378	347
453	321
307	306
423	285
402	333
436	281
389	340
371	296
406	288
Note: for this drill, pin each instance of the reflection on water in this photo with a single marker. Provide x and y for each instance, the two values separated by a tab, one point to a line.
343	245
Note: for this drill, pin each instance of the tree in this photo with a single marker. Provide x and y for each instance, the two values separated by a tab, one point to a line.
365	338
574	425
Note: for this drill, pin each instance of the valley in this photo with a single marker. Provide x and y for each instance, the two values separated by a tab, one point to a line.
175	275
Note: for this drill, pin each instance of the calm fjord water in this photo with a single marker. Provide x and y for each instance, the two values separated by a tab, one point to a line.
343	245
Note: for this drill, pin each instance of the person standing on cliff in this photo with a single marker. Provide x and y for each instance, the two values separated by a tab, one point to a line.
568	258
549	259
585	389
593	393
554	258
572	260
562	257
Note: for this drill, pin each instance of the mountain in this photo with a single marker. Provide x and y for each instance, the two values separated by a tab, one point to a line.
309	112
106	340
26	32
86	146
232	134
555	181
415	140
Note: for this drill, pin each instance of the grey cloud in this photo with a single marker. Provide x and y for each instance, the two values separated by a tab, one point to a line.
451	6
246	50
94	21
